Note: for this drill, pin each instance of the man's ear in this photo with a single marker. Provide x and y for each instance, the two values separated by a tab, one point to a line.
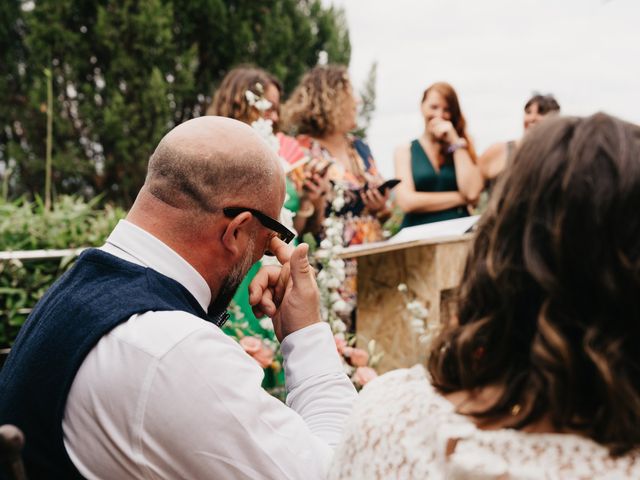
237	234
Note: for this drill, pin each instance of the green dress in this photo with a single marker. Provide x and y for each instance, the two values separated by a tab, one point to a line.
273	378
427	179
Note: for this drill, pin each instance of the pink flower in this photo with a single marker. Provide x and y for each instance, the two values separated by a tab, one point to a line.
258	350
250	344
341	344
364	375
357	357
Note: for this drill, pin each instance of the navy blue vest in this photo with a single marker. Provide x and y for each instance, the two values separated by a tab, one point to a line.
97	294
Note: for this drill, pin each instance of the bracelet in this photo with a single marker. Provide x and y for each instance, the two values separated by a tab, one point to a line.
460	143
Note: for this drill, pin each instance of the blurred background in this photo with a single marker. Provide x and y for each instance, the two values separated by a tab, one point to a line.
495	53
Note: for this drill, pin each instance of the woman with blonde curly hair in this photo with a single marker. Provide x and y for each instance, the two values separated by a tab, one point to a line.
540	376
439	177
322	110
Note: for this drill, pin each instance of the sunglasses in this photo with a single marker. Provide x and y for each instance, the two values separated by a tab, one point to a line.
282	232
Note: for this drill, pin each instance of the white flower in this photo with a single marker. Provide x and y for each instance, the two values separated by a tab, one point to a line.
417	323
337	204
262	105
340	306
251	97
338	326
325	244
417	309
402	287
266	323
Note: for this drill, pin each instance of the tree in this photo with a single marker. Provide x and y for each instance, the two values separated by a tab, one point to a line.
126	72
368	101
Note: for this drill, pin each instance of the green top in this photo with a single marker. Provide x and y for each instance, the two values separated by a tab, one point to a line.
427	179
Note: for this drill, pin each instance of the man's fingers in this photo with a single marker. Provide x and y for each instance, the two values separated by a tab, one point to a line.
281	285
267	276
301	270
281	250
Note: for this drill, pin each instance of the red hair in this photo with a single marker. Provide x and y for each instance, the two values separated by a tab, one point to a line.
457	118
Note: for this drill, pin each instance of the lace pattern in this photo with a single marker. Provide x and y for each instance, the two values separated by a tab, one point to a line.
402	428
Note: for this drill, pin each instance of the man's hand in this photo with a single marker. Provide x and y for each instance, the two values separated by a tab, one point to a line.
288	294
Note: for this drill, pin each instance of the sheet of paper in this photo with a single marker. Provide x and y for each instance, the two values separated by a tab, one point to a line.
448	228
429	231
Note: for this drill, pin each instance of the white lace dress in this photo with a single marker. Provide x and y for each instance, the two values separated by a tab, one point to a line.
402	428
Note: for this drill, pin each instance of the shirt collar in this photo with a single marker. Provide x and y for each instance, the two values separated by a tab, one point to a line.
132	243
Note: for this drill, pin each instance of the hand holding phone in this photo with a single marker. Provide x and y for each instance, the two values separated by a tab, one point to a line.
388	185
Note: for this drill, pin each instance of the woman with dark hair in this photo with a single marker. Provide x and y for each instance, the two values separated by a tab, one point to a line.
496	158
540	375
438	172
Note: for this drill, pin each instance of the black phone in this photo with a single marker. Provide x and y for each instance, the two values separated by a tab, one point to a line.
388	185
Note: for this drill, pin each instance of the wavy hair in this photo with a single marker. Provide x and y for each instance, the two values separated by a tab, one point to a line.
549	307
229	99
457	118
315	106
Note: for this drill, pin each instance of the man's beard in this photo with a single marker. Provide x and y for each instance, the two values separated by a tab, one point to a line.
231	283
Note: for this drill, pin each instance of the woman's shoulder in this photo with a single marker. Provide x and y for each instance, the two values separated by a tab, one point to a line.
393	429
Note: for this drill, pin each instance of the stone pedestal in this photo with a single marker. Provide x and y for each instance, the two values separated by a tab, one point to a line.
431	269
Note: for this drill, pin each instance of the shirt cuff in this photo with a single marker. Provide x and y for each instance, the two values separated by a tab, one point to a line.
309	352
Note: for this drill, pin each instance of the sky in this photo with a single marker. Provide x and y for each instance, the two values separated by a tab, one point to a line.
495	53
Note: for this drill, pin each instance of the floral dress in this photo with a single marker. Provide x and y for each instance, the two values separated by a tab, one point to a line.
358	226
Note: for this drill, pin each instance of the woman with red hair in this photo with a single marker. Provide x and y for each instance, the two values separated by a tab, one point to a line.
438	171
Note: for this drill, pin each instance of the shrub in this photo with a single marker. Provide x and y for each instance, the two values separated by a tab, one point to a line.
24	225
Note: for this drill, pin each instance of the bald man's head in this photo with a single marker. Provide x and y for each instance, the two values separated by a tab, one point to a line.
211	161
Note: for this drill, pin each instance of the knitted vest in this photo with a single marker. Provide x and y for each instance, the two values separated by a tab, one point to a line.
100	292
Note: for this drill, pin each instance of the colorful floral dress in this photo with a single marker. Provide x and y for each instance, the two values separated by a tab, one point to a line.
358	225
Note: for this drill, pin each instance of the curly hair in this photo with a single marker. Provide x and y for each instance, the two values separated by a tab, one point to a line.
457	118
315	106
549	306
230	100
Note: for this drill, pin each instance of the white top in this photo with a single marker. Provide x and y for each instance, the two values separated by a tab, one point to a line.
400	428
169	395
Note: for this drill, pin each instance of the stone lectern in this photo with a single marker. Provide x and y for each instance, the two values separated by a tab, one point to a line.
429	260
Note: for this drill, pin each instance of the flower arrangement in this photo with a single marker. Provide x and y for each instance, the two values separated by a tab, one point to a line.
417	315
358	363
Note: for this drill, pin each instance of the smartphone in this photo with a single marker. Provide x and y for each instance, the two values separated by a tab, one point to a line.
388	185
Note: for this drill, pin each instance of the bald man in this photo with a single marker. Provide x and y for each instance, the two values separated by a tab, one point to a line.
122	371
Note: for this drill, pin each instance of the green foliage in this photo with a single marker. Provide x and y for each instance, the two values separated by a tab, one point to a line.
27	226
125	72
368	102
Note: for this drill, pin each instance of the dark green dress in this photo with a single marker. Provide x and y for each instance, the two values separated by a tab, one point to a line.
426	179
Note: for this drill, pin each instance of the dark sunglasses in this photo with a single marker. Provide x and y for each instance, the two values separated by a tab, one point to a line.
282	232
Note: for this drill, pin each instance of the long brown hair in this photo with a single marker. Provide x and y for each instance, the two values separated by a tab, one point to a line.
315	106
549	308
457	118
230	99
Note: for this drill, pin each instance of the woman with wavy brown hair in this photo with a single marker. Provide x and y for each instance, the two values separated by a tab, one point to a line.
540	376
438	172
322	110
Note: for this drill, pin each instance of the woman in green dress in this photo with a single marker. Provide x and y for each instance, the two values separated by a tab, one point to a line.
440	179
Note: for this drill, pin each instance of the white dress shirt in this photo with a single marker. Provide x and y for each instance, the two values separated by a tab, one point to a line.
169	395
